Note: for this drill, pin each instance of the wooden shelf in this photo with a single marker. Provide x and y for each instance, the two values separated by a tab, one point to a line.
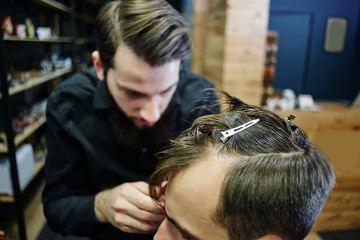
28	131
38	166
85	17
93	2
335	130
32	82
33	213
54	5
82	41
37	40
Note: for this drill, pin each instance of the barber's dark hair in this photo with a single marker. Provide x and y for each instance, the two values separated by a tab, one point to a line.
277	180
152	29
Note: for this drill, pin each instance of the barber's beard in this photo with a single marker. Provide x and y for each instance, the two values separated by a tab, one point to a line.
126	133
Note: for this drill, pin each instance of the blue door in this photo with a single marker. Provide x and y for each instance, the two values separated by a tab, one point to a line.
293	30
303	64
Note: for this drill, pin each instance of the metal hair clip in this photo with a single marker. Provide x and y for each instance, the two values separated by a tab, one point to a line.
290	118
232	131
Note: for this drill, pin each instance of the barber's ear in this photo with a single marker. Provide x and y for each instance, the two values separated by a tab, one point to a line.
99	68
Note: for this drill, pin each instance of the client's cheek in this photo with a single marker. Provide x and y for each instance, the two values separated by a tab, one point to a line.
162	232
167	231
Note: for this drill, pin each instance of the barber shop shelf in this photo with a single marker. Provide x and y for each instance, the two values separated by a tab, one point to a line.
32	82
55	5
37	40
19	138
32	65
38	166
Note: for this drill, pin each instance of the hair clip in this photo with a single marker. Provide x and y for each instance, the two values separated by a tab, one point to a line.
232	131
290	118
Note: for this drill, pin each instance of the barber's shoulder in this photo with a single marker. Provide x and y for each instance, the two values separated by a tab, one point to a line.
81	79
80	84
191	82
76	82
198	93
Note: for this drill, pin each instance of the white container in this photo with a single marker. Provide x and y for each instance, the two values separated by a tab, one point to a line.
25	165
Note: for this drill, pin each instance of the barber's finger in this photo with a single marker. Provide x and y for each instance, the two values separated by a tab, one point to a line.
141	199
145	215
148	204
126	207
142	187
161	201
137	223
137	226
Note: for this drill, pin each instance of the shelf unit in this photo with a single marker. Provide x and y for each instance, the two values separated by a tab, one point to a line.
9	141
54	5
37	168
37	40
33	82
20	138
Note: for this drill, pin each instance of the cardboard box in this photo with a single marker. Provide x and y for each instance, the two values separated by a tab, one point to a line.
25	165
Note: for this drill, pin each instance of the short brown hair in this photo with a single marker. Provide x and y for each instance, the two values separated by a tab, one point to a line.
277	182
152	29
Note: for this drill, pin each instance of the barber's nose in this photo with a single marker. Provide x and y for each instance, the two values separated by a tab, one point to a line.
151	109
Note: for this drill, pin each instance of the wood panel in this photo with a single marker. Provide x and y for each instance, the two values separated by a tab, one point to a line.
200	13
341	212
229	45
336	131
244	64
213	50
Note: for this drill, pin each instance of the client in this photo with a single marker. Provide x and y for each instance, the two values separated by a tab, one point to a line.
244	174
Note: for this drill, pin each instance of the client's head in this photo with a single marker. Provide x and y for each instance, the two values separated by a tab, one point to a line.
267	181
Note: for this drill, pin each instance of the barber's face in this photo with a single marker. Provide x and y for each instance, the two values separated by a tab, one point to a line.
191	198
143	92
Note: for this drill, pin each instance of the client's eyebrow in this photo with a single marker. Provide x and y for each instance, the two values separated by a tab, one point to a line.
184	233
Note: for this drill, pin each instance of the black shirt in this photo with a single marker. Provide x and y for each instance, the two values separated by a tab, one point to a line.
84	157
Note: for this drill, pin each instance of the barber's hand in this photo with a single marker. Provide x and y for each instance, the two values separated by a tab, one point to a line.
129	208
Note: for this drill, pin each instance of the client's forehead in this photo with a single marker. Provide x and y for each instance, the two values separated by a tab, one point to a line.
192	196
203	179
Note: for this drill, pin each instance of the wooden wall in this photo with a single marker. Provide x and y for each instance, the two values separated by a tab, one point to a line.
336	131
208	39
229	45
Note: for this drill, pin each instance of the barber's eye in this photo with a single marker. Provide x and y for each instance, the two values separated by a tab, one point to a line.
132	94
166	91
